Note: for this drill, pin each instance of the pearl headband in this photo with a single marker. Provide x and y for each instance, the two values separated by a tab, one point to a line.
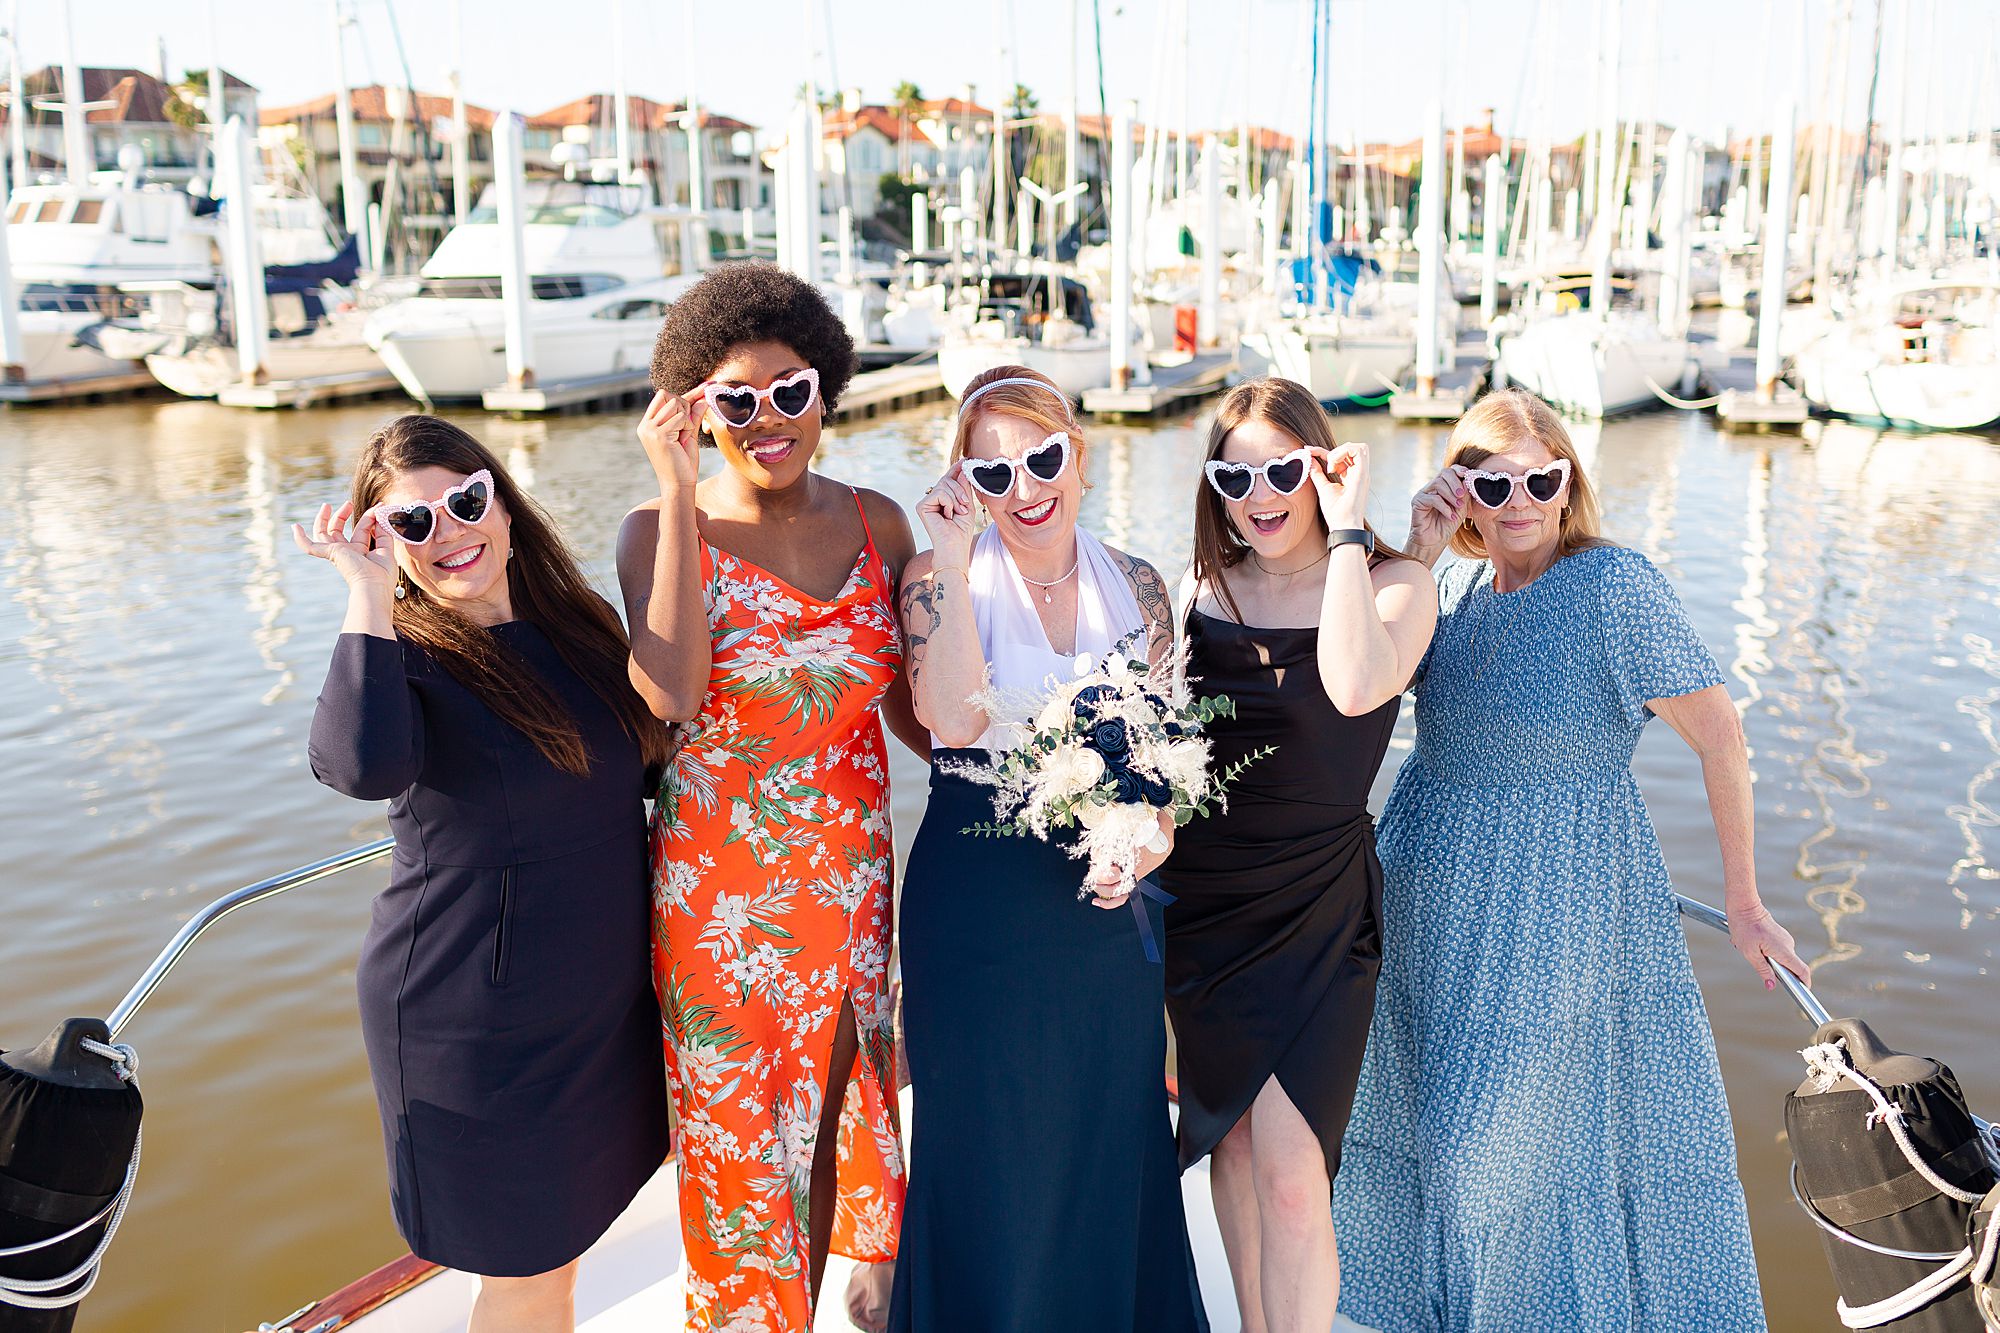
1017	379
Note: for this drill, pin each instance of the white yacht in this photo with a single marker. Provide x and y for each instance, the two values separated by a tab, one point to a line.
74	248
1918	353
603	267
1597	365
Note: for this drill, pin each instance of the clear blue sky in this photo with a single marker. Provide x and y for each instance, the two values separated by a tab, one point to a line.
1709	67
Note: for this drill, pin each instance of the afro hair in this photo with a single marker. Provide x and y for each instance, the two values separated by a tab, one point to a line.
751	302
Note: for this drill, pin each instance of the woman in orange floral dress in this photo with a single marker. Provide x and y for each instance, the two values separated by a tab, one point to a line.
759	602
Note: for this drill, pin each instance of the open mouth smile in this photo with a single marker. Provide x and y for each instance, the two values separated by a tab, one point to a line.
1268	523
1036	515
459	561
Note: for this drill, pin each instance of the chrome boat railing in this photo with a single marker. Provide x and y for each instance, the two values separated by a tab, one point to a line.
223	906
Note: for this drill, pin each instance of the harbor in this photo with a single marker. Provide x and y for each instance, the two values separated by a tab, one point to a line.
1774	334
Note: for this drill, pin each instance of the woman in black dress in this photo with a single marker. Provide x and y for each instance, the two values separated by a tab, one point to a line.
479	685
1313	629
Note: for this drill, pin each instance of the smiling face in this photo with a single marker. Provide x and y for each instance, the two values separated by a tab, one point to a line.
463	564
1036	515
774	450
1271	524
1521	530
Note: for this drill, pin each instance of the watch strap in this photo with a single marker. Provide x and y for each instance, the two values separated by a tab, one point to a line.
1339	537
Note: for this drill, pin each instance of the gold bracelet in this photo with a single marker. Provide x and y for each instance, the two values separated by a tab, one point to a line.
952	569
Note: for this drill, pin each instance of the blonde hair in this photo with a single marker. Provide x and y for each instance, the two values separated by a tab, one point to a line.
1038	401
1509	417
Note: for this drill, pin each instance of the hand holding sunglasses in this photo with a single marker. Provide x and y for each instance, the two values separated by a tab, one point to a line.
671	433
1341	478
951	520
362	558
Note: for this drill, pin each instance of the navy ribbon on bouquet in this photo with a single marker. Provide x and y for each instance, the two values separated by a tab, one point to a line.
1144	889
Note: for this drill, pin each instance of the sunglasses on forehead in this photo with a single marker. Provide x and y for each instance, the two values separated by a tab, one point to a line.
1495	489
416	523
1234	481
995	478
736	405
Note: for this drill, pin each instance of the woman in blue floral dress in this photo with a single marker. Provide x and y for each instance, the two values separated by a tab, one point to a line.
1540	1140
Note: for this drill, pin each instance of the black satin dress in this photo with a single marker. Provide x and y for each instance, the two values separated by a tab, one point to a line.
1274	940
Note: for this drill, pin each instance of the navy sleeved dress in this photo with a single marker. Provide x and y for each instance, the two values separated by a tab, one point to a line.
506	998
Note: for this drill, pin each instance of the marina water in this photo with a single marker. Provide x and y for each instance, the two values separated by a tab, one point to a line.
161	642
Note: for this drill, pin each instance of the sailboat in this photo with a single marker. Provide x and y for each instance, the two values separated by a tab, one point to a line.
1920	352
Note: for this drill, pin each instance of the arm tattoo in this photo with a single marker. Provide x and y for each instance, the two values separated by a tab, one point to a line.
1154	604
923	612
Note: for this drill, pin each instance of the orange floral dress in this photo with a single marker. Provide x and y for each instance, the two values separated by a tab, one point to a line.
772	859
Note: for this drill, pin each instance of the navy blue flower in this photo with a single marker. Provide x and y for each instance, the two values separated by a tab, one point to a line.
1158	792
1130	786
1110	739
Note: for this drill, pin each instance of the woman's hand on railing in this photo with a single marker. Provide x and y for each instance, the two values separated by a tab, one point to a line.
1764	943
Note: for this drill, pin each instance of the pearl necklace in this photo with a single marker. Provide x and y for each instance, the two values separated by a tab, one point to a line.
1048	597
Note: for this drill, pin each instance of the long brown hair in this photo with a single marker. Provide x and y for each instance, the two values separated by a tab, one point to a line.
1290	407
547	588
1498	422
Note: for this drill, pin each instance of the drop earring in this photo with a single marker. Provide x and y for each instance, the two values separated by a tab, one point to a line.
401	591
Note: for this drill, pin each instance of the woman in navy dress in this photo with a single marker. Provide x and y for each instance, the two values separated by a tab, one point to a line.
479	685
1274	937
1042	1191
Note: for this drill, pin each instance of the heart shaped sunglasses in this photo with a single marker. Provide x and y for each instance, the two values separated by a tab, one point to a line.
1495	489
416	523
1235	481
736	405
995	478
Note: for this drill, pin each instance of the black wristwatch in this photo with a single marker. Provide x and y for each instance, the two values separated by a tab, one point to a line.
1362	537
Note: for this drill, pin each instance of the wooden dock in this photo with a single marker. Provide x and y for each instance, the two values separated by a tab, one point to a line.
1732	377
310	390
77	387
874	392
591	391
1199	376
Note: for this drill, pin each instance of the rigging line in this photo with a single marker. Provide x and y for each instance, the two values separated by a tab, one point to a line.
417	118
1101	208
833	73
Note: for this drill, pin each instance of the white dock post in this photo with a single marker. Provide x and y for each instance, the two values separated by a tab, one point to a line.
781	203
1211	245
1768	405
846	221
17	125
1121	246
78	161
13	354
920	222
461	131
1494	220
969	217
1777	236
1024	225
805	194
353	199
1430	248
514	290
236	155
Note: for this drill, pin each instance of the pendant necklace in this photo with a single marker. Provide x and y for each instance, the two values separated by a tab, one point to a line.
1049	597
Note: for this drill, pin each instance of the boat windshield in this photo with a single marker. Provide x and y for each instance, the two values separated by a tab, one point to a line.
560	203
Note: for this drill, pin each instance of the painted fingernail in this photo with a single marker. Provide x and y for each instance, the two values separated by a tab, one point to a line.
1771	984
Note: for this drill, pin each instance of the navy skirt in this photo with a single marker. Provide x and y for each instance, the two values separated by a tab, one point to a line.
1044	1194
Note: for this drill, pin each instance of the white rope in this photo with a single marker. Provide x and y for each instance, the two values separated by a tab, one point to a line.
1688	404
27	1293
1989	1250
1909	1299
1829	1064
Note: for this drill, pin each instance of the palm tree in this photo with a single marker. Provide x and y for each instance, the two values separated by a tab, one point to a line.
1023	103
909	100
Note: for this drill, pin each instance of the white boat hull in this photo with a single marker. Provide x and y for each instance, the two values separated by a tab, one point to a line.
1853	383
446	350
1592	367
50	350
206	371
1343	363
1074	366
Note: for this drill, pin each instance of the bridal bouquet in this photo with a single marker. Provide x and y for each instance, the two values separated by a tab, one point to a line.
1106	753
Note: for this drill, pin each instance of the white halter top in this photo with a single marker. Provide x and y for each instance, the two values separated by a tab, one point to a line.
1011	635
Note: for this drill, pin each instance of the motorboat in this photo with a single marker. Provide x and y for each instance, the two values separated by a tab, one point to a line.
1922	353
